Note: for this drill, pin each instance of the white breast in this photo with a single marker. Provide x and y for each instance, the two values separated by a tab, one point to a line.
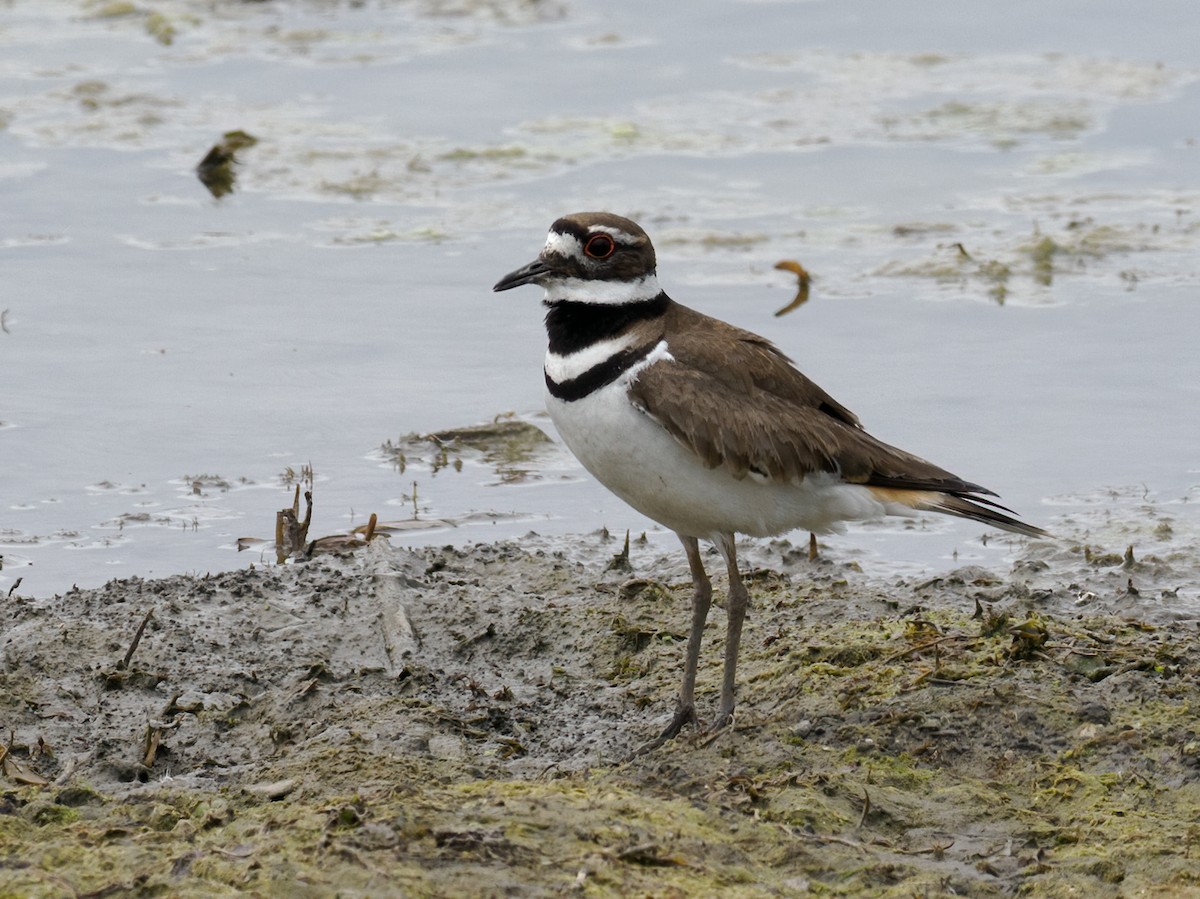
638	460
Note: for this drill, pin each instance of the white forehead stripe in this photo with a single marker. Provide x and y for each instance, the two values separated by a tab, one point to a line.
563	245
602	293
572	365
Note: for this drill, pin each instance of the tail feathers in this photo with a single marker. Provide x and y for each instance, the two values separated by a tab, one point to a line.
976	508
992	514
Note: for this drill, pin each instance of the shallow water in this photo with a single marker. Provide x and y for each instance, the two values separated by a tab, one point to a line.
167	356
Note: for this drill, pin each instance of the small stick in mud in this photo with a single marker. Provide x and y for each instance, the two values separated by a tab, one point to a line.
291	534
14	770
150	745
620	562
866	808
137	638
921	647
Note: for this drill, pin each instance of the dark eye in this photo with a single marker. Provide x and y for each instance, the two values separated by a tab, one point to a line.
600	246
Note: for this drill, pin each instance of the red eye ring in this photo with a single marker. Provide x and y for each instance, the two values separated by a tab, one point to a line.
600	246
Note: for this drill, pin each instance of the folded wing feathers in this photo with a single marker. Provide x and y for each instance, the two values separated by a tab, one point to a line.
775	422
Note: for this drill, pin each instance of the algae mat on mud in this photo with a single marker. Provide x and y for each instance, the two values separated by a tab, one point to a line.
455	721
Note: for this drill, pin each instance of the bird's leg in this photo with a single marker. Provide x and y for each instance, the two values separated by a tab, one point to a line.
735	608
701	601
685	712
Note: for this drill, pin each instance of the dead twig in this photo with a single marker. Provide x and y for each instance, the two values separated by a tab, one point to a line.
921	647
150	745
620	562
866	809
14	770
826	838
291	534
935	850
137	638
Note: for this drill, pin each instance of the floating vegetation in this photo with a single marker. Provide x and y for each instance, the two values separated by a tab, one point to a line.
216	169
804	280
160	28
953	262
717	240
359	186
1040	257
508	445
199	483
465	154
1005	122
290	476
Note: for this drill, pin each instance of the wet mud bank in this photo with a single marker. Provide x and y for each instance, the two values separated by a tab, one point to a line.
457	721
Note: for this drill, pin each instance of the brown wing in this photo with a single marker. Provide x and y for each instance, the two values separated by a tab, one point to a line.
738	402
745	362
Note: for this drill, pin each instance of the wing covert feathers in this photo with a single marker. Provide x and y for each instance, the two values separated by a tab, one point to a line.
736	401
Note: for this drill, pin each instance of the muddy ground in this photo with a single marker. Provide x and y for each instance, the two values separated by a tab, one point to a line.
457	721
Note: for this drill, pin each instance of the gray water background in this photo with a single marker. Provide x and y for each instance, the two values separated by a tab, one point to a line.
168	356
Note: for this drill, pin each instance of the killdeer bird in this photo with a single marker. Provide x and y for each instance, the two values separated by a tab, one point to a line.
708	429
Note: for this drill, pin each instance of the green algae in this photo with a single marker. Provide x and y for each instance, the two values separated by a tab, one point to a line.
1028	265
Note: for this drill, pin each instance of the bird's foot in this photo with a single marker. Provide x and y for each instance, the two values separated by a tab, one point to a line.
684	715
723	720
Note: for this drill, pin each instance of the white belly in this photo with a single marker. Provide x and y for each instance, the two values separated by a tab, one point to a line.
639	461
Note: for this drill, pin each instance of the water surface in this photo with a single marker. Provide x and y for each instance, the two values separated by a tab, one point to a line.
169	358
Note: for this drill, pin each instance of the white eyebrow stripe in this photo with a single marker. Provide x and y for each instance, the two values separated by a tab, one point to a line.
616	234
568	245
